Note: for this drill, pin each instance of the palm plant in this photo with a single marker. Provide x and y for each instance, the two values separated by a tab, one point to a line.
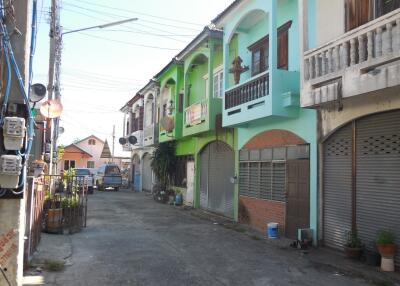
163	163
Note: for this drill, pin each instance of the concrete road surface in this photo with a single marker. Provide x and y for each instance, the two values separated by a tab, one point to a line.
132	240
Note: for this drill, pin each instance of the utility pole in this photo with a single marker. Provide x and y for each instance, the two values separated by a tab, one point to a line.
50	87
53	86
52	52
113	145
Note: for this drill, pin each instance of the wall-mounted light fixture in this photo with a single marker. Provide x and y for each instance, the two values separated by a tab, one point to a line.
170	107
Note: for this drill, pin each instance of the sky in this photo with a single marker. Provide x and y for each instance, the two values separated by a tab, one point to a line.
103	68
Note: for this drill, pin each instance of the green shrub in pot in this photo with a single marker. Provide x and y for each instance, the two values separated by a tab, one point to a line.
385	242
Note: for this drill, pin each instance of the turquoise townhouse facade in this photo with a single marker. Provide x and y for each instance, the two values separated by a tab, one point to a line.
275	139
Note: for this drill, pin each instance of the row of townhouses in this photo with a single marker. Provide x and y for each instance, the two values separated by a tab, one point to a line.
283	111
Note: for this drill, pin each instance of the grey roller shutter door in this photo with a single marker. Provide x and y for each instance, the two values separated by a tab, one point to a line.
221	169
378	176
217	168
147	173
337	196
205	157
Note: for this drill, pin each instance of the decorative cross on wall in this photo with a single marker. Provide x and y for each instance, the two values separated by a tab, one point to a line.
237	69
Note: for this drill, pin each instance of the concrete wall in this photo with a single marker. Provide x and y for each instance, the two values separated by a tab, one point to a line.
330	20
356	107
257	213
12	212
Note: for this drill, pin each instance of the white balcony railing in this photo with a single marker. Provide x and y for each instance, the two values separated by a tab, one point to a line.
371	41
196	113
346	66
148	135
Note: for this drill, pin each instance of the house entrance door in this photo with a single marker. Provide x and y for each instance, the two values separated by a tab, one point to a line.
297	197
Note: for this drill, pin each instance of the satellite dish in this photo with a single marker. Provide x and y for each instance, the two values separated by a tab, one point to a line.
61	130
167	123
132	139
37	92
122	141
51	108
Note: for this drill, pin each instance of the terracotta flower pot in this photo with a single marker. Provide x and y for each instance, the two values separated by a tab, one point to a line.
353	253
387	250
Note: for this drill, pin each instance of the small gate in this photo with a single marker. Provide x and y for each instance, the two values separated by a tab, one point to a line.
65	206
34	198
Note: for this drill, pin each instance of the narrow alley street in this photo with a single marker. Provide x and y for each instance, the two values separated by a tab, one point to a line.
132	240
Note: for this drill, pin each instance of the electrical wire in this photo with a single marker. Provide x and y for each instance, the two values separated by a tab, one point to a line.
121	16
8	87
140	13
127	43
9	54
128	27
136	31
4	275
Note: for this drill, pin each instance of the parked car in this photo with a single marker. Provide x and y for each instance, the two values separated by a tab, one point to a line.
108	176
86	177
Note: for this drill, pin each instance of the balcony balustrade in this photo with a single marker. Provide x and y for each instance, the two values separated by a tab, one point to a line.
327	69
196	113
150	134
255	88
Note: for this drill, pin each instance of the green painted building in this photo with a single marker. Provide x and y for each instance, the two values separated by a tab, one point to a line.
190	112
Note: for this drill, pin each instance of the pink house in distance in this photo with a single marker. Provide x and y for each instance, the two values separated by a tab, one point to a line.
86	154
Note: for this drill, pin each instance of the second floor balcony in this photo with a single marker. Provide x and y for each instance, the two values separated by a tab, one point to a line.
256	98
362	61
150	134
196	118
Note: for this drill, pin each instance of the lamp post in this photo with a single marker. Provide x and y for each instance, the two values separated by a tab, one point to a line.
55	71
58	55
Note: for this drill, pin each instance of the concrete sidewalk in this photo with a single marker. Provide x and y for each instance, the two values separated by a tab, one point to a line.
321	257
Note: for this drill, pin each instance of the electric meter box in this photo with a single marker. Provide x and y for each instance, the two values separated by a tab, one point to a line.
10	170
14	133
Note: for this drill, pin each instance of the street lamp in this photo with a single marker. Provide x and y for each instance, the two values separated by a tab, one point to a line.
101	26
58	47
55	70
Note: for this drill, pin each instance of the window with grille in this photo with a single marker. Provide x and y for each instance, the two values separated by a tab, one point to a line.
90	164
263	180
218	83
69	164
262	172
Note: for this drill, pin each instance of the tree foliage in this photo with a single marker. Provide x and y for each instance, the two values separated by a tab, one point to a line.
164	162
60	152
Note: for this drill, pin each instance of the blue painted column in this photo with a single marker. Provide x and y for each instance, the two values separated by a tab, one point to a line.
273	44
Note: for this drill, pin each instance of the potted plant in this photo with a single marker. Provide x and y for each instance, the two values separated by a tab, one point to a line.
385	242
353	245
